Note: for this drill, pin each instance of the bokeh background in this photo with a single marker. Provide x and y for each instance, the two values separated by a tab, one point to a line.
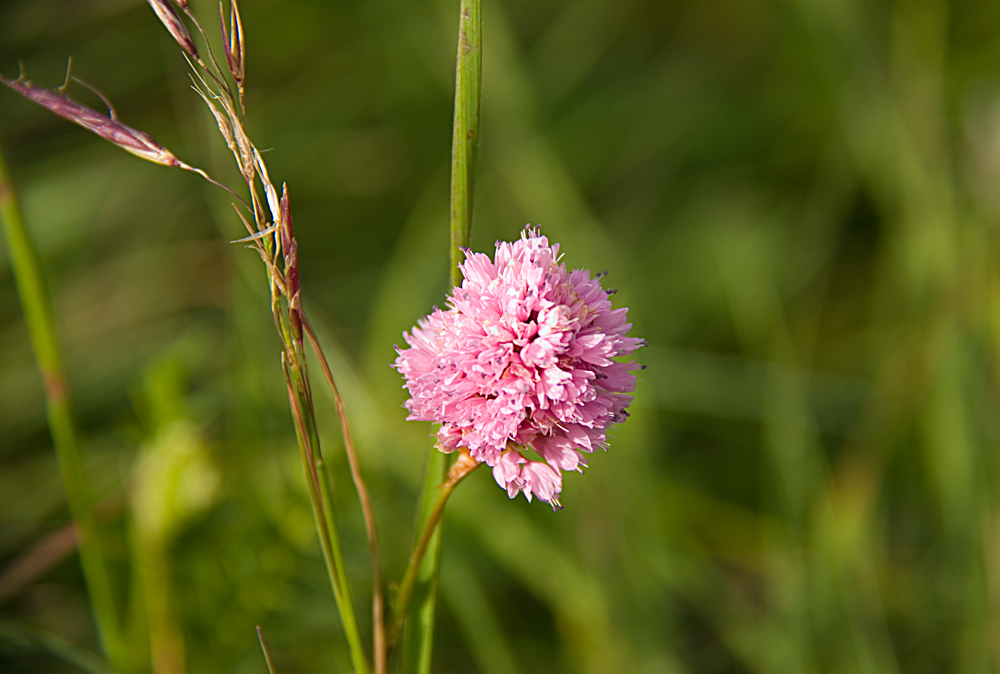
797	199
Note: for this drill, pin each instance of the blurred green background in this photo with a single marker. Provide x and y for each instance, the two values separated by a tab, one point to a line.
797	199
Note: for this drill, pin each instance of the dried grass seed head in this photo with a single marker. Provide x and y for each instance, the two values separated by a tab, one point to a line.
169	18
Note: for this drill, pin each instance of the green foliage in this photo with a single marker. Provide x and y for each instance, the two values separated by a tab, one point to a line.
797	201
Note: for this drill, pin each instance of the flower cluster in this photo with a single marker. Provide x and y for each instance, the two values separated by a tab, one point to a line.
522	358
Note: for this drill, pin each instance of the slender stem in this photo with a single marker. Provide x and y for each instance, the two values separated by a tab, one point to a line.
419	615
321	497
418	630
152	564
465	138
378	619
268	658
37	306
458	471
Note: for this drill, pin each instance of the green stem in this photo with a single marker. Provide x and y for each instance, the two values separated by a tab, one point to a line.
465	138
346	603
378	621
166	639
459	470
418	633
268	658
37	306
419	616
321	496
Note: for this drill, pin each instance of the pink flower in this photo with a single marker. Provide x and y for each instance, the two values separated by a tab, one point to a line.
522	359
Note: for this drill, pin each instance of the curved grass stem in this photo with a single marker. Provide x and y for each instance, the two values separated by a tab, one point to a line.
321	497
458	472
37	306
378	619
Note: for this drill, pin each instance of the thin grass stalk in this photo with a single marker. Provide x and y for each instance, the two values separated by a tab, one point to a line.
276	243
36	303
271	235
326	496
378	618
418	634
321	498
268	658
52	645
155	584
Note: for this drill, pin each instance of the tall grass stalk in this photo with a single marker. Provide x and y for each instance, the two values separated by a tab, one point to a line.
379	644
272	236
268	658
267	217
418	634
321	498
36	304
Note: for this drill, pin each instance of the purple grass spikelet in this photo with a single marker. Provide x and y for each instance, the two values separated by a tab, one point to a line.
168	17
522	359
106	126
290	248
232	42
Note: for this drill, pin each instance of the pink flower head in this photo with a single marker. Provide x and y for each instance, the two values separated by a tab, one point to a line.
522	358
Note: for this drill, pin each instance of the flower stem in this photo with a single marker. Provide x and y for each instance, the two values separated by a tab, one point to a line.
458	471
37	306
419	633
